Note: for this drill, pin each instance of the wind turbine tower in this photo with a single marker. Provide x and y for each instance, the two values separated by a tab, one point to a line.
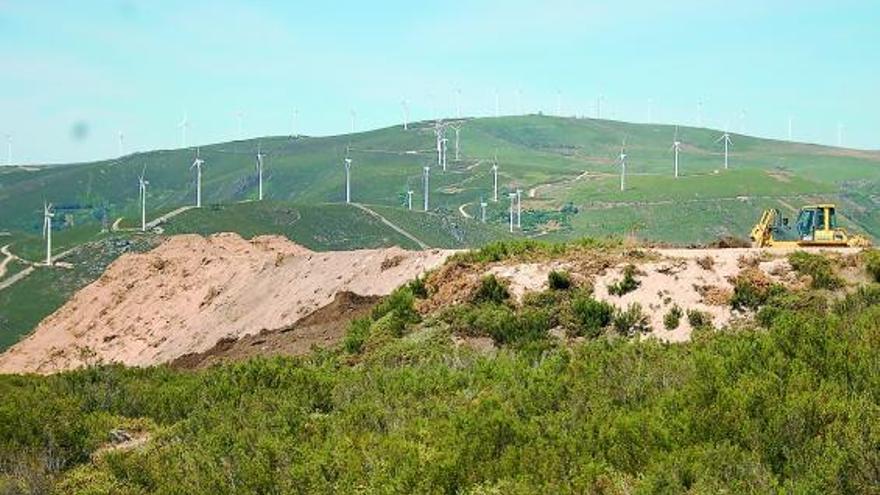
121	139
457	142
353	121
426	174
47	230
347	179
519	208
405	106
197	164
622	158
725	138
676	147
483	206
409	195
495	178
444	152
260	157
142	192
512	197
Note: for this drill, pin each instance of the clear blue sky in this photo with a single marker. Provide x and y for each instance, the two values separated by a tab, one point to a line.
74	73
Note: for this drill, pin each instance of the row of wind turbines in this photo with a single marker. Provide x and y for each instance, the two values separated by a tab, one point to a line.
440	129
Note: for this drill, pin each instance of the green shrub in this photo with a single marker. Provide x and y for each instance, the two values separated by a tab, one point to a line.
627	284
358	331
418	288
672	318
751	290
559	280
800	301
590	316
818	267
872	262
860	300
631	321
490	290
699	319
401	301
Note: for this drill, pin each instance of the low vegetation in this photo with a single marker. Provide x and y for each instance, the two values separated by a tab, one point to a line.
818	267
672	318
627	284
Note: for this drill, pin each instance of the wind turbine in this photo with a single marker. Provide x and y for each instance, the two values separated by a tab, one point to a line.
197	164
444	151
725	138
260	156
409	195
142	192
347	177
121	138
622	158
405	105
353	121
512	197
599	106
438	133
676	147
495	178
457	129
183	125
483	206
519	208
426	174
47	230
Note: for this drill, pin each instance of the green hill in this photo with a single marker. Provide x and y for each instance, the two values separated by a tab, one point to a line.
569	166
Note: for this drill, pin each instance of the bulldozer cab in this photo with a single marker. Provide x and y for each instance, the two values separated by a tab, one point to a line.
816	223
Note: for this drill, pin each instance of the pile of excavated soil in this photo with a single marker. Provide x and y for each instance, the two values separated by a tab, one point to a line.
191	292
324	328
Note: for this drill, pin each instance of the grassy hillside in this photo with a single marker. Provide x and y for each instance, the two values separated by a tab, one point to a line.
566	161
789	403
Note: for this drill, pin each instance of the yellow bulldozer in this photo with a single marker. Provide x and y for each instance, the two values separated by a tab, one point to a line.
816	225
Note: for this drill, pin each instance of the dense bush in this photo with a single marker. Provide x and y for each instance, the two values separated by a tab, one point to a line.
751	290
490	290
627	284
631	321
557	280
358	331
818	267
672	318
798	301
794	409
388	318
418	288
872	262
590	316
699	319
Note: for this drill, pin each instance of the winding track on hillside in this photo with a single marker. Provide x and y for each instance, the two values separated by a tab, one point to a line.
398	229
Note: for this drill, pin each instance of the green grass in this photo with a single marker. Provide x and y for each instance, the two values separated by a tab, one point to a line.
532	150
322	228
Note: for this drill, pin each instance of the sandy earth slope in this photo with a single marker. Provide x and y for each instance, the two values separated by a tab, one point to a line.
190	292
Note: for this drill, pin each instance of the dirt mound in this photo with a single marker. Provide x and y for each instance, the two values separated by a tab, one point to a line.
324	328
190	292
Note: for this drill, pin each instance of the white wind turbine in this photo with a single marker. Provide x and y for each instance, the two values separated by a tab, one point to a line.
426	174
622	158
260	157
512	197
457	129
405	106
197	164
47	230
353	121
725	138
409	196
519	208
495	178
483	206
183	125
121	139
676	148
347	177
443	151
142	192
438	133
